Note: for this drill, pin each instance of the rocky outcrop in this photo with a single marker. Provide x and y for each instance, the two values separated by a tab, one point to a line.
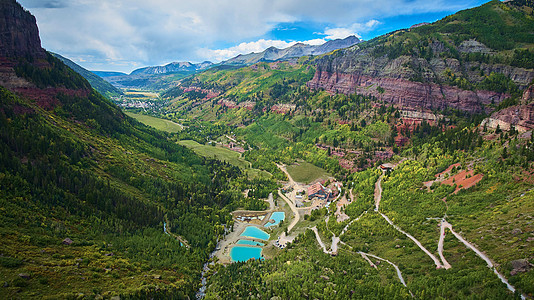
520	116
18	32
434	66
405	93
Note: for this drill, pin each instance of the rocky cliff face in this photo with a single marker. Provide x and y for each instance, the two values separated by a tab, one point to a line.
410	81
405	93
18	32
520	116
451	63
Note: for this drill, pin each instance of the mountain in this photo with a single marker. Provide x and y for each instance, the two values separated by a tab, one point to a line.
99	84
155	78
449	215
104	74
297	50
420	203
468	61
93	203
174	67
20	35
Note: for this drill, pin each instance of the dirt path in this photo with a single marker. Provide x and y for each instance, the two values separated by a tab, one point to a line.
378	196
293	209
378	191
446	264
283	169
399	273
350	223
445	224
271	202
366	257
432	256
314	229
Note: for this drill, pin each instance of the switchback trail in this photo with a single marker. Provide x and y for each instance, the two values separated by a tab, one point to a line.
378	197
445	224
378	191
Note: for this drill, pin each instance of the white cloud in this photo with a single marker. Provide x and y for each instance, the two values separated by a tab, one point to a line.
354	29
160	31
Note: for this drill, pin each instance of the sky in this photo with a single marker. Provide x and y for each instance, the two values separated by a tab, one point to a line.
123	35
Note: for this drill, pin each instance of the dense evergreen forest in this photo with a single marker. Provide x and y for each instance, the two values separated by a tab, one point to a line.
83	170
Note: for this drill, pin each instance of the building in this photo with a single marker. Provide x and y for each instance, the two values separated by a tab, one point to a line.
387	167
317	190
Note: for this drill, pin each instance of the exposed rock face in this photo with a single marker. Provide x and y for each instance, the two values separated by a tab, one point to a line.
412	81
520	266
405	93
520	116
18	32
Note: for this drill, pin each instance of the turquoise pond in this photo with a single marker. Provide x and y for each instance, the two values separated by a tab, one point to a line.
277	217
245	253
251	243
256	233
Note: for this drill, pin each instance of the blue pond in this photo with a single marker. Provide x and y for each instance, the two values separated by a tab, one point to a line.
245	253
256	233
277	217
251	243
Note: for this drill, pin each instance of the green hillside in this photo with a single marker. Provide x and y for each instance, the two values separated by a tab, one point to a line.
427	202
76	167
99	84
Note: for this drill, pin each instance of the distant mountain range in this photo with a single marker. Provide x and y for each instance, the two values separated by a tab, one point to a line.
173	67
157	77
297	50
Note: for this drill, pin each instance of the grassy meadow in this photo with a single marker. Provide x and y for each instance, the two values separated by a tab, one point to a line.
160	124
305	172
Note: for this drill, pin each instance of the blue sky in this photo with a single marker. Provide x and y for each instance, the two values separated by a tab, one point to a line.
123	35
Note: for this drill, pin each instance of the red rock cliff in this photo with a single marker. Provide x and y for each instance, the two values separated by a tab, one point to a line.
405	93
19	35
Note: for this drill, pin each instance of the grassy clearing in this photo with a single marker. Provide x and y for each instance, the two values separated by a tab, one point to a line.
306	172
226	155
161	124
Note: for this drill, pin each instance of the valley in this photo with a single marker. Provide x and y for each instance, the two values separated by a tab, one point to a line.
399	167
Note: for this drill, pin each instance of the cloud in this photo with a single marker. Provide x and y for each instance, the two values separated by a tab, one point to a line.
354	29
160	31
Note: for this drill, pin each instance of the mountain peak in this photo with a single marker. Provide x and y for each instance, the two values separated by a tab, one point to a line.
18	32
297	50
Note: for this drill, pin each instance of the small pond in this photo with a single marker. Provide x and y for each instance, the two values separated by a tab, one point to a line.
245	253
256	233
277	217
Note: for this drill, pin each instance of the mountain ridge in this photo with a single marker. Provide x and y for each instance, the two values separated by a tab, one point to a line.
99	84
298	50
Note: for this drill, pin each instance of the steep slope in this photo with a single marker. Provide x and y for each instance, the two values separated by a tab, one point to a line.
86	192
99	84
297	50
467	61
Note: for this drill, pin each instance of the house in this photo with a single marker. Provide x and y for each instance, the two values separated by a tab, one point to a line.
317	190
387	167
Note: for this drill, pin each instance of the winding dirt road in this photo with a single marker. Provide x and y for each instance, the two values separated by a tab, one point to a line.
378	191
445	224
293	209
440	246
